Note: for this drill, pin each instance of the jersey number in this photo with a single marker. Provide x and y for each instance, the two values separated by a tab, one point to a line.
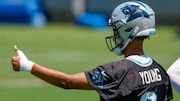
149	96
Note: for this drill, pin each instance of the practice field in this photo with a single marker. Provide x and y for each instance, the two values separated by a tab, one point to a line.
71	49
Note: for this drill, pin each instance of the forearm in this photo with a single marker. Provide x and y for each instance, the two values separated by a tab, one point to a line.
60	79
51	76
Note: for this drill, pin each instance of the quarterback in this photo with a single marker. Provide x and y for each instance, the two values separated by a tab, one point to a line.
137	77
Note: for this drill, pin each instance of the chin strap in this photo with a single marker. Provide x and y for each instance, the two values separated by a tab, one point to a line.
118	50
130	38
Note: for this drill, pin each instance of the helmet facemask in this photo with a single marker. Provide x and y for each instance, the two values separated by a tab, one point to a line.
118	42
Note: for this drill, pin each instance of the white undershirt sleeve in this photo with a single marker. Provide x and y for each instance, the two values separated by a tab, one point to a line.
174	74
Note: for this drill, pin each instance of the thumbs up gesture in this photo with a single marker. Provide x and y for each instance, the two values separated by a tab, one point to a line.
20	62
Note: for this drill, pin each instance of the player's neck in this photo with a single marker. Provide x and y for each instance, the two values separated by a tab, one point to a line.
135	52
134	48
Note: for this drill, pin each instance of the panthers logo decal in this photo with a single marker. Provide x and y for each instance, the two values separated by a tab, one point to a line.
133	11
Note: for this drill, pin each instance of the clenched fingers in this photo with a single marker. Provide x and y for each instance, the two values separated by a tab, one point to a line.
15	63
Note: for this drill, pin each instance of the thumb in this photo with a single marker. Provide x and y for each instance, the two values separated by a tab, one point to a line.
19	52
15	48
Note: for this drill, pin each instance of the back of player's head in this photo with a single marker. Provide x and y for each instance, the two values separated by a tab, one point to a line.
132	19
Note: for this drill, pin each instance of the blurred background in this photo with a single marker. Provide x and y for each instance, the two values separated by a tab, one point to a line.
68	35
85	12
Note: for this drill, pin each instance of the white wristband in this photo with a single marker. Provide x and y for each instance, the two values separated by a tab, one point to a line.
25	64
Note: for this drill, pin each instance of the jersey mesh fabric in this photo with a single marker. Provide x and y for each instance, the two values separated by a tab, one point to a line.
121	81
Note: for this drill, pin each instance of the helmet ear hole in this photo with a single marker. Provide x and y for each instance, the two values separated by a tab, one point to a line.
129	29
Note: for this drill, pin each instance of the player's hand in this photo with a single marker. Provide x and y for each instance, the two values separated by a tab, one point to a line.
20	62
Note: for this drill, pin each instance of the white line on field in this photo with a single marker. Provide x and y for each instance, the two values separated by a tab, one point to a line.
21	83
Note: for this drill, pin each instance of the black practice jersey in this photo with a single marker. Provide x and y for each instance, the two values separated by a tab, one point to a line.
127	81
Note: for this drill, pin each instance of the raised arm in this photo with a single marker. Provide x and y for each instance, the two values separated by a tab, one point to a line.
54	77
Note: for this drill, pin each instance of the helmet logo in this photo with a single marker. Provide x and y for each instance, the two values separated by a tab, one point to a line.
132	12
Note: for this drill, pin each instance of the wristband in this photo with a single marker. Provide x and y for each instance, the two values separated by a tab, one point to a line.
26	66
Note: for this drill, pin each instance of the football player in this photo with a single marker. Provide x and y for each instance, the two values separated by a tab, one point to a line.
137	77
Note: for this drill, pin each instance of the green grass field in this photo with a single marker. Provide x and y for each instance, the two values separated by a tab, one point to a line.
71	49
